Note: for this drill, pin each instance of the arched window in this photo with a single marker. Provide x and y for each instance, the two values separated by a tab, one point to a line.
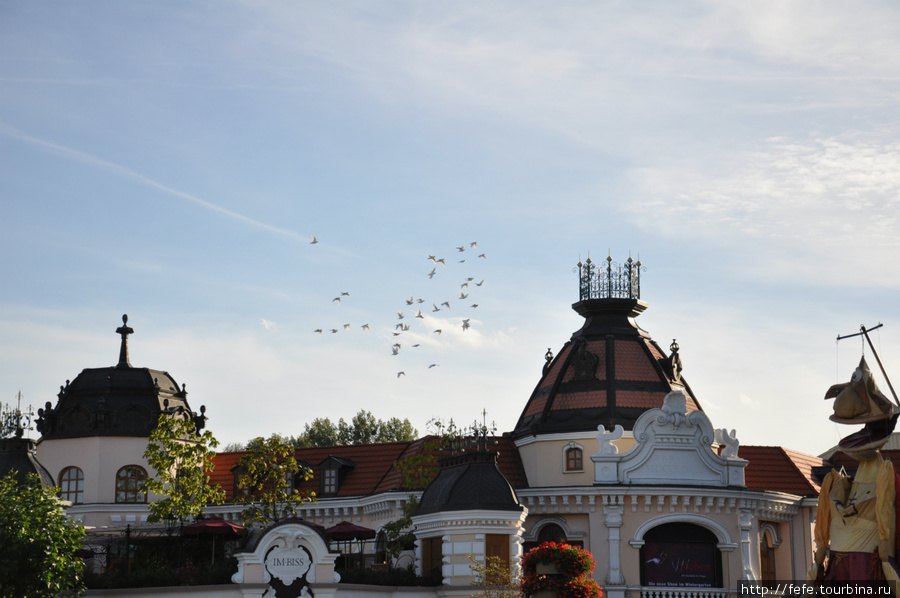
71	485
767	545
574	458
129	483
551	533
681	554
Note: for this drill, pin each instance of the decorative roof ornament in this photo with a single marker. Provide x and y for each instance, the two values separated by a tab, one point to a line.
14	422
124	330
616	281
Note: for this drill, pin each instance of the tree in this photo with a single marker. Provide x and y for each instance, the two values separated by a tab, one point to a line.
495	578
364	428
37	551
269	473
182	458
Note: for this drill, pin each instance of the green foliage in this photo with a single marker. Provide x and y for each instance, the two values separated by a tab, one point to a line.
386	577
269	472
182	458
37	550
495	578
364	428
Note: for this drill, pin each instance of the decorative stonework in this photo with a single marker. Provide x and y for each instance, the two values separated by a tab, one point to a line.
288	558
672	446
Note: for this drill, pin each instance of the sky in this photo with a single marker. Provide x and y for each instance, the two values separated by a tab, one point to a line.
174	161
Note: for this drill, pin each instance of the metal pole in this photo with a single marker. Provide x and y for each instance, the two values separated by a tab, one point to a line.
878	359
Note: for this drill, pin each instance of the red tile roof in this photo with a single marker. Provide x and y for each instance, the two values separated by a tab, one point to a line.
777	469
373	468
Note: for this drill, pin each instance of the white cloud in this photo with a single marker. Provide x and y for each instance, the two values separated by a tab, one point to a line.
836	198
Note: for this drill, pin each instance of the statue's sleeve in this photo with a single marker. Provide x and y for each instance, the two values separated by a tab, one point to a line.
885	494
823	511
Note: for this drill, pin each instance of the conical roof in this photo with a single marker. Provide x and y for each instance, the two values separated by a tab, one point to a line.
610	371
120	400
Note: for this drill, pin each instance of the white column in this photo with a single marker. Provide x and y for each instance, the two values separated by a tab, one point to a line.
613	522
745	521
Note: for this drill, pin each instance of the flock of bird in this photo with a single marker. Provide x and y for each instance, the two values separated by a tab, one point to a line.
413	308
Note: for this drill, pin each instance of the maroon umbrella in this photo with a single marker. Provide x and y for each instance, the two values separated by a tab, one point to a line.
213	525
311	524
349	531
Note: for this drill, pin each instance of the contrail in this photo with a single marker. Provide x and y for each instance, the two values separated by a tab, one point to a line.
128	174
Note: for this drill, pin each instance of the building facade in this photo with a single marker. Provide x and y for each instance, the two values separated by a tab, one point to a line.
612	452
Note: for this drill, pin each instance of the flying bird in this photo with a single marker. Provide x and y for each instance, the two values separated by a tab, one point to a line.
431	274
314	240
478	284
447	303
441	262
333	330
435	307
416	345
410	300
432	366
463	295
461	248
346	326
365	326
401	374
420	301
431	257
404	327
482	255
464	285
474	305
338	299
438	331
400	314
473	244
419	314
395	349
319	330
465	324
345	294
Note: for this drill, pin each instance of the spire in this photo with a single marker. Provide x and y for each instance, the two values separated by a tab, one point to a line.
124	330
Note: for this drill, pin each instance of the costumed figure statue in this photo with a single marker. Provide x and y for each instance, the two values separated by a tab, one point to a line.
856	522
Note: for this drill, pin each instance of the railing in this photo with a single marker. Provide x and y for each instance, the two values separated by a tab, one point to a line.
616	281
666	592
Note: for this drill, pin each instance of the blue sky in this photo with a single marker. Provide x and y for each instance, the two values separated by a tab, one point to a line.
172	161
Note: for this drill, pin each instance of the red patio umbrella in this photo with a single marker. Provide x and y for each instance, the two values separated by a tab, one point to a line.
349	531
213	525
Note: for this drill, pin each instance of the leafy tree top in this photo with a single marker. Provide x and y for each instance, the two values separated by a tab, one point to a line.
183	459
37	554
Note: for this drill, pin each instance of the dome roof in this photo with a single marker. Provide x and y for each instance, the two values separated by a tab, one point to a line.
610	371
120	400
17	454
466	482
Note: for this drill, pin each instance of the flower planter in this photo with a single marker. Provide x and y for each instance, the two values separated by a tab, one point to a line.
547	569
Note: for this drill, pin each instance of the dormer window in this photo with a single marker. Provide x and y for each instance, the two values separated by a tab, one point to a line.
332	472
329	481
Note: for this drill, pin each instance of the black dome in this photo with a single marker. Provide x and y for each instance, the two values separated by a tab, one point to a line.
470	481
114	401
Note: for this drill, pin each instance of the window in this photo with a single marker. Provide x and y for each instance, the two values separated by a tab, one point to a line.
668	547
129	483
552	533
71	485
574	459
432	558
329	481
767	556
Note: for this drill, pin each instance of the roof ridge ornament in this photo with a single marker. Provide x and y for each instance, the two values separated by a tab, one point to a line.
616	281
124	330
